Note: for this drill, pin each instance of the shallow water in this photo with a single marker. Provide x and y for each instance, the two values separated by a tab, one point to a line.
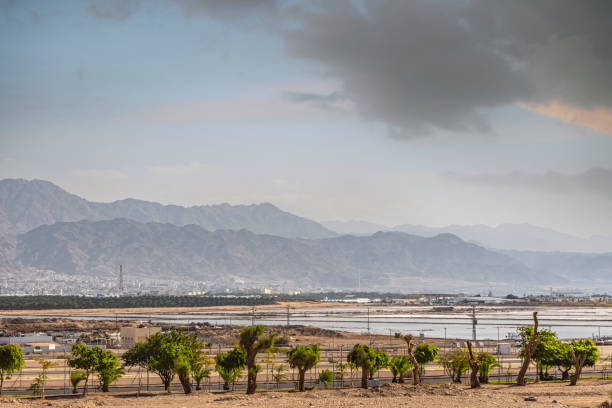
493	322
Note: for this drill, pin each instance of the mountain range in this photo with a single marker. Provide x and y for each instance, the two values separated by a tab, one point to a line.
383	260
45	228
25	205
522	237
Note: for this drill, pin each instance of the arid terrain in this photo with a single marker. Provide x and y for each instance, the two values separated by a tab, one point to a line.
589	393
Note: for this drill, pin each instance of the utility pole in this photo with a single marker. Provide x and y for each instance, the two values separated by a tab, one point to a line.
120	279
370	337
474	322
253	316
445	339
65	361
499	363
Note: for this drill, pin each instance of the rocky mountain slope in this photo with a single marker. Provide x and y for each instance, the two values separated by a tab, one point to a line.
520	237
25	205
163	251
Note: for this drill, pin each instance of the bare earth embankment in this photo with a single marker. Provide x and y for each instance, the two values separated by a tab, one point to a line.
589	393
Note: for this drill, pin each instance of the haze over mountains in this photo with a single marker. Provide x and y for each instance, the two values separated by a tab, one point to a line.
523	237
153	250
47	229
25	205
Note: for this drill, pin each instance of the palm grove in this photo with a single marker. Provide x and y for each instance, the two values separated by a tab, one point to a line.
174	354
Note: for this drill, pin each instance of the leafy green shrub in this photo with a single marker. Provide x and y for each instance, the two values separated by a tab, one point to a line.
326	377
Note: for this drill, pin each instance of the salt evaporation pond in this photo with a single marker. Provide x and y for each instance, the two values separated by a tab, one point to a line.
493	321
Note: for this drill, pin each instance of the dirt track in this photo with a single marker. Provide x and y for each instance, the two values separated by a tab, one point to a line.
589	393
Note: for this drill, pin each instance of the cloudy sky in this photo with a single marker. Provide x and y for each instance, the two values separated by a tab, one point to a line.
425	112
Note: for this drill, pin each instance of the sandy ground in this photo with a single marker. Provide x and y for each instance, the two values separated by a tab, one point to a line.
589	393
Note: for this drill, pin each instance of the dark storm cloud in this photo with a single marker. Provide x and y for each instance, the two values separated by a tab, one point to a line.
597	181
425	65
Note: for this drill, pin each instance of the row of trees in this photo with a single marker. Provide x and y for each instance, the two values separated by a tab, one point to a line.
549	352
87	302
176	354
87	361
84	360
541	348
173	353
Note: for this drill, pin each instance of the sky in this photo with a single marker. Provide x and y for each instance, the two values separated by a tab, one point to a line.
425	112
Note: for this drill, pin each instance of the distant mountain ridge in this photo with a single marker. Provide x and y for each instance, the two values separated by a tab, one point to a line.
25	205
521	237
43	227
383	261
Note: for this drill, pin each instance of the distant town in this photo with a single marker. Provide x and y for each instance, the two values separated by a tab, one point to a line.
53	284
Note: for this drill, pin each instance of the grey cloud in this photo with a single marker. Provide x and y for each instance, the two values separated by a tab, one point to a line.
323	101
423	65
426	65
118	10
220	9
228	9
596	181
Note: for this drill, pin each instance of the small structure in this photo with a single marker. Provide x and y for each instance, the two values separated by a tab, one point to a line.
504	348
26	339
132	335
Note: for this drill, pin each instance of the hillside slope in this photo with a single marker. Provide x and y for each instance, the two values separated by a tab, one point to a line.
166	251
25	205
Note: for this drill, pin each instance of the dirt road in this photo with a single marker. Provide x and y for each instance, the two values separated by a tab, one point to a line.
589	393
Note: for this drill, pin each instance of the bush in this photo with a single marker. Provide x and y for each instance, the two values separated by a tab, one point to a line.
326	377
455	363
75	379
282	341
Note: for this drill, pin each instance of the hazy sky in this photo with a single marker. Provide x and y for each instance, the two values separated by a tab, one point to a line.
426	112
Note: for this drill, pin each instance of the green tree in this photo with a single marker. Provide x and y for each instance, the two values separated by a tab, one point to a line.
182	367
529	345
86	359
199	373
326	376
409	339
40	382
252	341
583	353
455	363
362	356
11	360
545	349
107	367
76	377
425	353
303	358
230	365
485	362
562	359
399	365
381	361
165	352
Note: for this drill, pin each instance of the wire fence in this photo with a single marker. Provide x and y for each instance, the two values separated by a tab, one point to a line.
333	358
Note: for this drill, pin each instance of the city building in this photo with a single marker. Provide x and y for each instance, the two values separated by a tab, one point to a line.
132	335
